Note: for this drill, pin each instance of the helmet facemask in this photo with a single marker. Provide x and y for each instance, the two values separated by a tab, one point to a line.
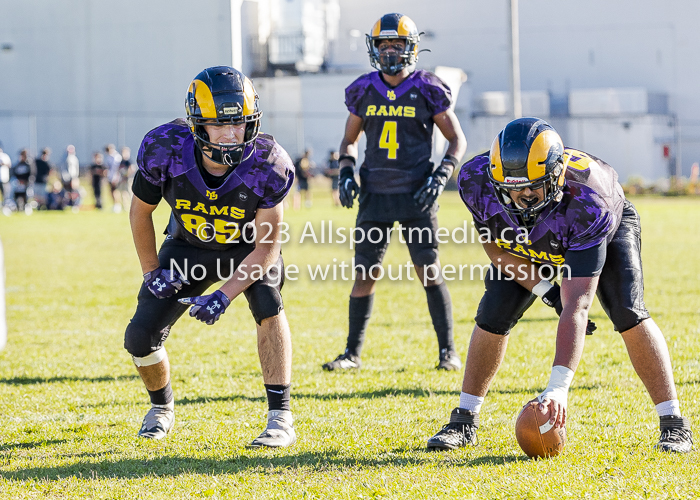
528	216
527	153
392	64
229	154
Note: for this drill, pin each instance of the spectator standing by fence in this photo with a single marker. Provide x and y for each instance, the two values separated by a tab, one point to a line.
23	176
97	171
5	167
112	161
43	170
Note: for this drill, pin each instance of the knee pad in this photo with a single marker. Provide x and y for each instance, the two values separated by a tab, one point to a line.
140	341
624	318
264	302
365	260
495	320
495	329
424	256
152	359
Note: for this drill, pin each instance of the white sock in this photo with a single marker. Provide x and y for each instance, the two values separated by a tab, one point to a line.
670	407
469	402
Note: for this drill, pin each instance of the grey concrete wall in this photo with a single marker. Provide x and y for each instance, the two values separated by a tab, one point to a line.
92	72
564	45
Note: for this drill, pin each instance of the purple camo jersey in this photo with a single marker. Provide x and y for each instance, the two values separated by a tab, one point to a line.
213	217
398	123
589	213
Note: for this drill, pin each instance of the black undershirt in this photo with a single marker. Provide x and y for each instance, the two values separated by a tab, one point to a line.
212	181
145	191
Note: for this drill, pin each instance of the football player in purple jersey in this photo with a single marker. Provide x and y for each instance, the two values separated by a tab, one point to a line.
543	209
397	108
224	182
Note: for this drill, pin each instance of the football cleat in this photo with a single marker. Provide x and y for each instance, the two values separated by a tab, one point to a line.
279	432
449	360
343	362
157	423
460	432
676	436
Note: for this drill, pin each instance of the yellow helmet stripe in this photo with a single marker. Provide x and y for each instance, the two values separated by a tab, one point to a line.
248	97
496	162
377	28
406	26
539	150
205	100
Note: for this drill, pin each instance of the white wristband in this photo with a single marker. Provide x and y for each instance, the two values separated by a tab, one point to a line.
542	287
559	383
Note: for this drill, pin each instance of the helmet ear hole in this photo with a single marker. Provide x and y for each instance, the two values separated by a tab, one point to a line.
202	132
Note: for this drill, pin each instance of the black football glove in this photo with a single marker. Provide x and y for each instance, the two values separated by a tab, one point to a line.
348	189
434	185
553	299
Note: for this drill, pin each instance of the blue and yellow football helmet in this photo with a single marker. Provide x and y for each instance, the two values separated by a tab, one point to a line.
222	95
528	152
393	26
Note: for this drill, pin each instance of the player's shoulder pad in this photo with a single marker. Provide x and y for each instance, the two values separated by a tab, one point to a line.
356	90
473	180
159	149
591	197
590	173
269	152
272	173
435	90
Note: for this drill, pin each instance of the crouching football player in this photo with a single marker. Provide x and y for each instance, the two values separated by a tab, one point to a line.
575	216
224	182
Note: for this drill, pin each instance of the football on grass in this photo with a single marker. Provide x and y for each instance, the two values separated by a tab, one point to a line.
535	435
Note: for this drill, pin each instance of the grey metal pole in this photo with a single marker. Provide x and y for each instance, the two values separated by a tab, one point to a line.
679	148
517	106
236	35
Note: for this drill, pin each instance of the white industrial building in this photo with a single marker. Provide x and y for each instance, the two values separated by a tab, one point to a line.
617	79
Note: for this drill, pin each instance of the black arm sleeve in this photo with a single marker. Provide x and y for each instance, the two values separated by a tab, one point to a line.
145	191
585	263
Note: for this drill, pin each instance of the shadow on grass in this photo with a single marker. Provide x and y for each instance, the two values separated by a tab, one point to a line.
377	394
249	461
30	444
498	460
54	380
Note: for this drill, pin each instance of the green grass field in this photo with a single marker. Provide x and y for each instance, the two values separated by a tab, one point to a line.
71	402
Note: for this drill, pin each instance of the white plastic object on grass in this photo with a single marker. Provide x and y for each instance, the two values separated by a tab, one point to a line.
3	325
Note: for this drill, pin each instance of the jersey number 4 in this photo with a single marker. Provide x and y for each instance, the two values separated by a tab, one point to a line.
387	140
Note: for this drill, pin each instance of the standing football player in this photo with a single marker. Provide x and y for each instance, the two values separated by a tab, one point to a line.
224	182
397	108
558	208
